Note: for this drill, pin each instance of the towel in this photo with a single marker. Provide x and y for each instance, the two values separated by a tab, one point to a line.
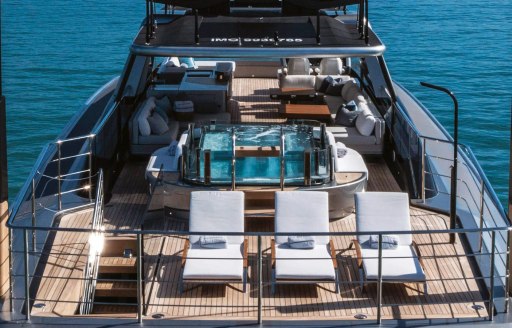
341	149
213	241
388	241
301	242
183	104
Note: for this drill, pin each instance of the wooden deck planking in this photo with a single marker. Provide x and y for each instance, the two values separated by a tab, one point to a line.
62	263
254	103
446	299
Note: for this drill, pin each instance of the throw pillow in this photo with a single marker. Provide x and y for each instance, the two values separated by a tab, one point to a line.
345	116
325	84
163	104
162	114
334	89
157	124
301	242
347	88
365	122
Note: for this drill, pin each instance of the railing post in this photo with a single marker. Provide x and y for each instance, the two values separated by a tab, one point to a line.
27	280
507	271
91	138
198	163
480	242
281	161
140	299
59	154
33	215
307	168
233	160
260	284
207	167
491	276
379	283
423	170
331	154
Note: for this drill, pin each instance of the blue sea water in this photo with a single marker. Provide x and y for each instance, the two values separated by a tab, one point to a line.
57	53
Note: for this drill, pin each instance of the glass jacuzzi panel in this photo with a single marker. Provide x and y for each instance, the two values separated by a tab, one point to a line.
265	168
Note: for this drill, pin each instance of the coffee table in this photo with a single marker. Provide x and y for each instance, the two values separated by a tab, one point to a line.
306	111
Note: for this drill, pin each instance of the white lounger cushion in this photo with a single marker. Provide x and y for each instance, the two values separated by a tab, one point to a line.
383	211
302	211
217	211
223	263
403	266
295	264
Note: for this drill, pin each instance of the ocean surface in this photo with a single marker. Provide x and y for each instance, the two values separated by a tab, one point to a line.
57	53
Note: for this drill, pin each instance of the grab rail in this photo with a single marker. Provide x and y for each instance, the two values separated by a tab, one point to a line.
95	249
233	160
281	160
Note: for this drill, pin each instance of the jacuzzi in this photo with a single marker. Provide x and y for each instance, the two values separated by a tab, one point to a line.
264	157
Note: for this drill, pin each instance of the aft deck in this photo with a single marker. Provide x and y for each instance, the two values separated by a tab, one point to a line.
453	294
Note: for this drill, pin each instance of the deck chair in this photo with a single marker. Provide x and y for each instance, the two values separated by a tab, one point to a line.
387	211
215	211
298	212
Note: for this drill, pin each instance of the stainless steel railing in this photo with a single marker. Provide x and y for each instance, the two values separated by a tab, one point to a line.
260	284
95	242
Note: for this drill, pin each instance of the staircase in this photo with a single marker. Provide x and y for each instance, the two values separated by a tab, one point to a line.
117	274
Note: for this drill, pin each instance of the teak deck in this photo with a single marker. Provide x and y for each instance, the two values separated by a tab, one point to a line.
449	297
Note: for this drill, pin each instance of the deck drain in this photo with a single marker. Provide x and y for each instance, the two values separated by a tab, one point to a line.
477	307
158	316
360	316
39	305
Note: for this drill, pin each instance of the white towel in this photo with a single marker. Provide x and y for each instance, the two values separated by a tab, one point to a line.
183	103
341	149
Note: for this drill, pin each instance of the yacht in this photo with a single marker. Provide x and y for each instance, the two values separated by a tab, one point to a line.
255	163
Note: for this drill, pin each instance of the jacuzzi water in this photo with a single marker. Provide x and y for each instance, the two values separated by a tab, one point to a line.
257	170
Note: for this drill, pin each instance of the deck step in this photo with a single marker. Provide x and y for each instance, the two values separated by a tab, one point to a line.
106	310
118	265
116	289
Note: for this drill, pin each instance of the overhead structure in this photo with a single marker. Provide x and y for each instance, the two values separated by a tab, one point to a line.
285	8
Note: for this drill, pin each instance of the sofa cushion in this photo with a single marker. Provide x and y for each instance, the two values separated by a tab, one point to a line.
350	136
297	82
157	124
365	122
142	120
399	264
163	104
163	139
314	264
223	263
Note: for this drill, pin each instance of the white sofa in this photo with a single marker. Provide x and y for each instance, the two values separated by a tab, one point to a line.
369	142
142	143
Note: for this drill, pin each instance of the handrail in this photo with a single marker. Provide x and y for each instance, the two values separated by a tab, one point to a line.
478	176
489	278
233	159
281	160
92	265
